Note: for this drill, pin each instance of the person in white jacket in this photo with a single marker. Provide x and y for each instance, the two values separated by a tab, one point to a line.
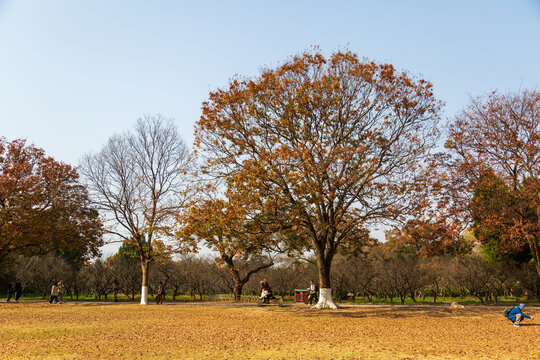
312	292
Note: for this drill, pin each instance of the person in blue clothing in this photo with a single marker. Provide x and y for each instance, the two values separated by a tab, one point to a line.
516	315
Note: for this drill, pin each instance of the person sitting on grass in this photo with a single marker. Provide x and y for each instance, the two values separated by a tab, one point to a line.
516	315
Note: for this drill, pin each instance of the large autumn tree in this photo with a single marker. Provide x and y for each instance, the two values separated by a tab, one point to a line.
43	207
333	143
138	181
494	161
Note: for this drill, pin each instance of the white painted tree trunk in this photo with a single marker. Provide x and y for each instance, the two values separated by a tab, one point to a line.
325	300
144	295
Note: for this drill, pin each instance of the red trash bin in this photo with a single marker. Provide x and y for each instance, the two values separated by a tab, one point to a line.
300	295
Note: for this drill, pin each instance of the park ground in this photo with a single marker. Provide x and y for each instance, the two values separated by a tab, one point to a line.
37	330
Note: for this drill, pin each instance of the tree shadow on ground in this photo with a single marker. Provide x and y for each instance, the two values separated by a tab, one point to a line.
392	313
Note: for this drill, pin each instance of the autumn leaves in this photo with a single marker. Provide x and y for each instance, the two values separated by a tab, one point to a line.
43	206
329	145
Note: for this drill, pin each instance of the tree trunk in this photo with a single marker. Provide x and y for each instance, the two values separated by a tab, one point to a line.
535	251
144	287
533	242
325	295
481	298
237	292
238	284
238	281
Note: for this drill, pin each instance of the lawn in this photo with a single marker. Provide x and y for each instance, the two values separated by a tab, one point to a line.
225	331
467	300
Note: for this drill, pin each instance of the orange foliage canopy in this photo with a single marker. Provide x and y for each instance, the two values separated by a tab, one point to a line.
42	206
332	143
425	238
494	168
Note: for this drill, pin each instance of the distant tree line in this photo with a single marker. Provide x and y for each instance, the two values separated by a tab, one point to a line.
379	274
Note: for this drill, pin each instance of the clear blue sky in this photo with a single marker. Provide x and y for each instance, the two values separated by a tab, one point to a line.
72	73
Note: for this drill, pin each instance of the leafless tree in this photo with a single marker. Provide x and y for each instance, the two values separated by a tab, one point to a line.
125	272
100	278
165	271
138	181
356	274
38	273
474	275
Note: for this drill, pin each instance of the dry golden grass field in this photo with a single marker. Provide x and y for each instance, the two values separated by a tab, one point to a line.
217	331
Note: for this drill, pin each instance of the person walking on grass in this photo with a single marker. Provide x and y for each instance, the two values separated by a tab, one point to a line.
312	293
159	297
516	315
9	290
18	290
61	289
54	293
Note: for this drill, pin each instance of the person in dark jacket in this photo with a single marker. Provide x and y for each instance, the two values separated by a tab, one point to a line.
9	290
516	315
159	297
18	290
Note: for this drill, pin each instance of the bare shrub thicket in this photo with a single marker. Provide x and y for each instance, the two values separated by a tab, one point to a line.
374	276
